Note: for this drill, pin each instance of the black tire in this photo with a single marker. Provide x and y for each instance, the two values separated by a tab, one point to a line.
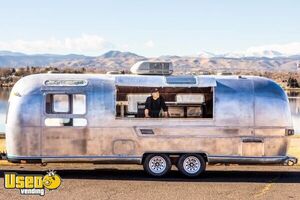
195	160
161	164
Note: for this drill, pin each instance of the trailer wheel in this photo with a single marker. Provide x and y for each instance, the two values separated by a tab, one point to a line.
157	164
191	165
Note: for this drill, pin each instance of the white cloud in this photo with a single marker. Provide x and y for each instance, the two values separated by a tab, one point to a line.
287	49
85	44
124	47
149	44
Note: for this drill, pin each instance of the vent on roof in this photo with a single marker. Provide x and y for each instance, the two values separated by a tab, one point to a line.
181	80
152	68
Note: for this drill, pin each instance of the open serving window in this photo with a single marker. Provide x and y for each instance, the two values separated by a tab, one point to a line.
182	102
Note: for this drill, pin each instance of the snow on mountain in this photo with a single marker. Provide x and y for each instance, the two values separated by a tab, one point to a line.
260	54
206	54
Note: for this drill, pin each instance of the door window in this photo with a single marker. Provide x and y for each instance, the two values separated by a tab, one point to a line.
63	105
66	104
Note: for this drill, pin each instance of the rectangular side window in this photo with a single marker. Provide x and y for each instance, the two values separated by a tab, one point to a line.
66	104
61	103
79	104
65	122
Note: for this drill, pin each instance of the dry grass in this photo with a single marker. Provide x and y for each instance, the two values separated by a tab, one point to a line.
294	151
294	148
2	145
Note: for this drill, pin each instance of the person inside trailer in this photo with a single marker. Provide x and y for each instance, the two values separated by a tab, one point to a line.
154	104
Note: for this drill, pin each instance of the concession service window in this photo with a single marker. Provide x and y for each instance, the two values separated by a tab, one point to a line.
182	102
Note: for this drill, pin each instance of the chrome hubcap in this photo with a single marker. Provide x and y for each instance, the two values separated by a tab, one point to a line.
191	164
157	164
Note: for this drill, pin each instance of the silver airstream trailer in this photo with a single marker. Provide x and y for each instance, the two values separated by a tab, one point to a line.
99	119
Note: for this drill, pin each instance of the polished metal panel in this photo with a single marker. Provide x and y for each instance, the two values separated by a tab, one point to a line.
160	81
271	104
246	110
234	102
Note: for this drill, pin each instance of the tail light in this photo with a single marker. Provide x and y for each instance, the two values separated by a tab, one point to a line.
289	132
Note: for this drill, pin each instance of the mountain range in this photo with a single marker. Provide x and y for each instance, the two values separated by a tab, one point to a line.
117	60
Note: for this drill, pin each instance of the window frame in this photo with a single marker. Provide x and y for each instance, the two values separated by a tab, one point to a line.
70	101
63	115
70	104
81	118
213	90
85	102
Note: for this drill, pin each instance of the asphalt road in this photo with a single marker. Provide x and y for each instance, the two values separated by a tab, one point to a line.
130	182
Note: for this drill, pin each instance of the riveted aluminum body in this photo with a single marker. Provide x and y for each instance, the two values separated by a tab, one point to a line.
250	119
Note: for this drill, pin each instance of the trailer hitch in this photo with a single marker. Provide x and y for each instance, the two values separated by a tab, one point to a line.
3	155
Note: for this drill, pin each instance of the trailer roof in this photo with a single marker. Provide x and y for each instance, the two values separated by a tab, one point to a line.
34	83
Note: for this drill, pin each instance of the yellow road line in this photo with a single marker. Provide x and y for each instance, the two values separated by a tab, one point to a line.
266	188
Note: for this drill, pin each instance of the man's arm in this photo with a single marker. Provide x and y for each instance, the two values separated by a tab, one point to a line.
147	107
147	113
164	106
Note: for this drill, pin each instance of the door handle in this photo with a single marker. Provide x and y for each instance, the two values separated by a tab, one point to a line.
253	140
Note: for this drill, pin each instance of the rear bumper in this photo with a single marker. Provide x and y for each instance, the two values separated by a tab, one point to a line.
291	161
253	160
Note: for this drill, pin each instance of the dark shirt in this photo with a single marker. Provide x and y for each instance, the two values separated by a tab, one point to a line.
154	106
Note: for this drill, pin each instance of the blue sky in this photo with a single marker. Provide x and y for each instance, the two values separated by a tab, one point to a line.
149	28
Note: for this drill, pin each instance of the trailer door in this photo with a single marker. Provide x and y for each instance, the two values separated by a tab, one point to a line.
64	129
